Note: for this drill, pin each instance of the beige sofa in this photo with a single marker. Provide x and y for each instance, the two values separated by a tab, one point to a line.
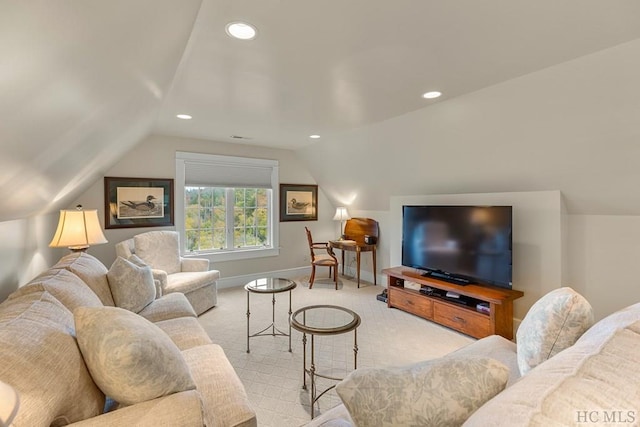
60	380
189	276
555	375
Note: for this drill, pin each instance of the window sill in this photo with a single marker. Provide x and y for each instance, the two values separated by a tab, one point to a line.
235	255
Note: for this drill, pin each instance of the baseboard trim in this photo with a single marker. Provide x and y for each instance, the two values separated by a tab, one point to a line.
231	282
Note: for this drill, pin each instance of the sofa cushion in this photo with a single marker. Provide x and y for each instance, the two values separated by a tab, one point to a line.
159	249
594	380
175	410
439	392
91	271
185	332
40	358
552	324
186	282
65	286
170	306
131	285
130	358
225	400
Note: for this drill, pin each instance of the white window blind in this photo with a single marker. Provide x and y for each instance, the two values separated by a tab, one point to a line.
216	174
207	172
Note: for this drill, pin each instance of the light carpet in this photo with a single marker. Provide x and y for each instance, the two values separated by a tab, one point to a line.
272	375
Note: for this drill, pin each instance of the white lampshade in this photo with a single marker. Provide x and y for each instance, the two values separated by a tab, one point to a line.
78	229
9	404
342	214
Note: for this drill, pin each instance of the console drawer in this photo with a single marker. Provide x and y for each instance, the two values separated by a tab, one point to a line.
468	322
410	302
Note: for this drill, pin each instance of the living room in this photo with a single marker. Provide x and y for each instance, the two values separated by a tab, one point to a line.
554	134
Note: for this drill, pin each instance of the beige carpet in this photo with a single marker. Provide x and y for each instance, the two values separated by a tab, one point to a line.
273	377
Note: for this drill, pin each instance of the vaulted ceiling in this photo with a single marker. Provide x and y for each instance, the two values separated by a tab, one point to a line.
81	82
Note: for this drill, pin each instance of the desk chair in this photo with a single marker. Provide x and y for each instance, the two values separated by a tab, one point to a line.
321	260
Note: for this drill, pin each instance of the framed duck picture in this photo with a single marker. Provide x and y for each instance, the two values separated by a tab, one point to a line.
138	202
298	202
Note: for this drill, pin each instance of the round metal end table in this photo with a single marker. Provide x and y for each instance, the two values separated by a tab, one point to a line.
323	320
269	285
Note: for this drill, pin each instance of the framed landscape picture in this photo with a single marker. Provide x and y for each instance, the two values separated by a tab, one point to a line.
298	202
138	202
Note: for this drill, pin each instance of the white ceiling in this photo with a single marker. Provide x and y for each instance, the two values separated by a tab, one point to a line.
82	82
324	67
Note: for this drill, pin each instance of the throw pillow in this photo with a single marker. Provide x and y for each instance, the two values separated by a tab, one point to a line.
139	262
439	392
552	324
130	359
132	286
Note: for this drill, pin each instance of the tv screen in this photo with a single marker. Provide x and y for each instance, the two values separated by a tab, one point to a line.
468	242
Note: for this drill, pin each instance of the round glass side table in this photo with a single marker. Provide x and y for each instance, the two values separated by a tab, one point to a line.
323	320
269	285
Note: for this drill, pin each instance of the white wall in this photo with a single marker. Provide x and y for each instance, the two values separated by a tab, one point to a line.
604	254
24	251
154	157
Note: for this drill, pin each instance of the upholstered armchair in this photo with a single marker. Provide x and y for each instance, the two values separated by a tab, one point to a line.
190	276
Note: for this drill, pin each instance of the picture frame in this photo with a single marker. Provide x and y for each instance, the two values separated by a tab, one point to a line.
138	202
298	202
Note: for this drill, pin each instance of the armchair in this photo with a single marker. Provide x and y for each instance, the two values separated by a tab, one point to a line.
190	276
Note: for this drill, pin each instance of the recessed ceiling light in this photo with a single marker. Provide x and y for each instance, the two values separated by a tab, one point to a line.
241	30
431	95
314	136
184	116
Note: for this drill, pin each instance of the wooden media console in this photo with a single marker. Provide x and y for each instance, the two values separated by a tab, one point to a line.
461	313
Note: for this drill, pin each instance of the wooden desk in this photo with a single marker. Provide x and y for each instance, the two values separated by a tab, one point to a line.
355	230
351	245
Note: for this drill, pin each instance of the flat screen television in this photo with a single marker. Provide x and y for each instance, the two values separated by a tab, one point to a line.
459	244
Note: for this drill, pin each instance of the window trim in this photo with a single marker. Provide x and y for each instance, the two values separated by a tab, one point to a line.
228	254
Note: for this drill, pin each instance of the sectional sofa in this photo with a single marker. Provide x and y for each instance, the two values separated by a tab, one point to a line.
91	346
555	375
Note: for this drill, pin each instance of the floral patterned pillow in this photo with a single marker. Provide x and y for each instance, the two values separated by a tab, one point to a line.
439	392
552	324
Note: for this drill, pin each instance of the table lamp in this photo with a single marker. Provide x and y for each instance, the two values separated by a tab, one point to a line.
341	215
78	229
9	404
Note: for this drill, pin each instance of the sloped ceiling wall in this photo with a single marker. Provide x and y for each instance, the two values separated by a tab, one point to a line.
574	127
80	84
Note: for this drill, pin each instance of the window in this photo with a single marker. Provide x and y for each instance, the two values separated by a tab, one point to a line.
208	210
225	206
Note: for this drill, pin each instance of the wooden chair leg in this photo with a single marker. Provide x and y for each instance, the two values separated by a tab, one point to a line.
335	276
313	275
